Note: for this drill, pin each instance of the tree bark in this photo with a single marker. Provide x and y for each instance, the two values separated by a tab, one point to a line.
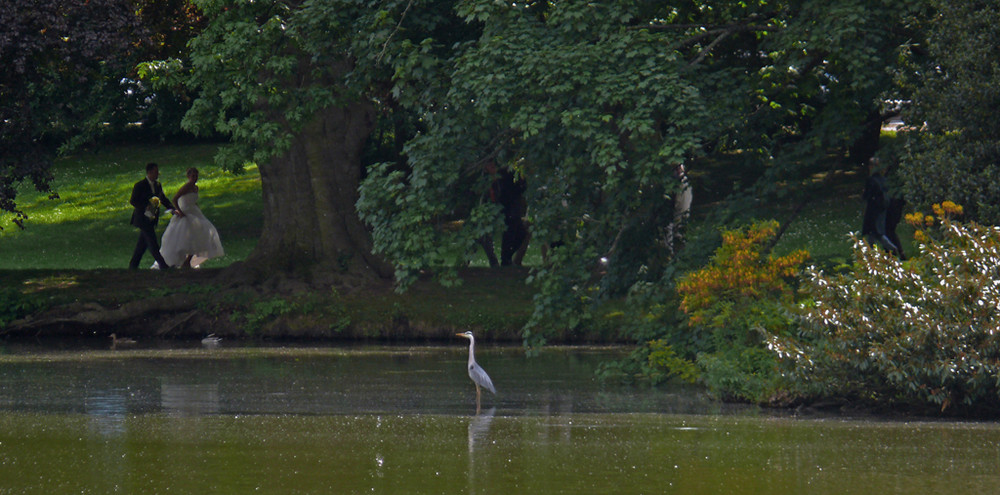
311	227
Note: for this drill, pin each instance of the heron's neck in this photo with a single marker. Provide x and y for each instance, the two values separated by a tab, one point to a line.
472	351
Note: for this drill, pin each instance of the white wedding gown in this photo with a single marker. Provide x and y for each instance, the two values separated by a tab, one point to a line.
191	234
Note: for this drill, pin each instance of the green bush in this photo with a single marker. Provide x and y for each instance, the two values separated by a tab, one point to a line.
925	331
261	312
15	305
741	372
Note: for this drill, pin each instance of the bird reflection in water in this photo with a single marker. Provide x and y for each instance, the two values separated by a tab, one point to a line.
107	410
479	429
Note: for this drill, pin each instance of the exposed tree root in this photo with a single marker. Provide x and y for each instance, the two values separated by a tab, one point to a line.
88	318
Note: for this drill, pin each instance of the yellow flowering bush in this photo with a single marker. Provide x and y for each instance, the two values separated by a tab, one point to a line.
732	304
739	274
944	211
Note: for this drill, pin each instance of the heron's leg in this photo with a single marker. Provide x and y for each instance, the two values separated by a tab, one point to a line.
477	398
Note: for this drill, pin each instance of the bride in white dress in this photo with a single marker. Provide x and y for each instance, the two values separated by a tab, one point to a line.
190	238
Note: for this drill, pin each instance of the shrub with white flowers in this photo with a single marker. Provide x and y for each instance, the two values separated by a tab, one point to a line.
926	330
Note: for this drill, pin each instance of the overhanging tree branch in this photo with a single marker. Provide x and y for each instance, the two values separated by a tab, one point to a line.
719	31
385	45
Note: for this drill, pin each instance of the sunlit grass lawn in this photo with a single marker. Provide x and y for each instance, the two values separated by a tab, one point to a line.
88	226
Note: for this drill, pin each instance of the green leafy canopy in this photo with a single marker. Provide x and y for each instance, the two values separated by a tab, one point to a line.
595	105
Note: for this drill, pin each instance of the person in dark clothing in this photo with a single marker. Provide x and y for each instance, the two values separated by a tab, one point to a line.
509	192
893	214
147	198
882	213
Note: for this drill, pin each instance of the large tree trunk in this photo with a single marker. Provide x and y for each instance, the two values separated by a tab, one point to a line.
311	227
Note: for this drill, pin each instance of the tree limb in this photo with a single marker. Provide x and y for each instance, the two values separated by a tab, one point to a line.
385	45
708	49
737	26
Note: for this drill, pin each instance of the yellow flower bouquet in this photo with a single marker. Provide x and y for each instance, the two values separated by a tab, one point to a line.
153	210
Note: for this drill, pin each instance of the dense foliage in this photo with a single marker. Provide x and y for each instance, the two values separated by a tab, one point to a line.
596	106
60	61
919	332
69	77
263	70
954	143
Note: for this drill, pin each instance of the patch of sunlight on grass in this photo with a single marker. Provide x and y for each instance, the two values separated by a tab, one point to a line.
52	282
88	227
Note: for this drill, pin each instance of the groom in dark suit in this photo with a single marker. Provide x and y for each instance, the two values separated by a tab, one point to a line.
146	215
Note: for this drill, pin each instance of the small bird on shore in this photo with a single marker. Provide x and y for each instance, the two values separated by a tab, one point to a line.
117	342
476	372
211	341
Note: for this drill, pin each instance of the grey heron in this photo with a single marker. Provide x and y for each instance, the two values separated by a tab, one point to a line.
476	372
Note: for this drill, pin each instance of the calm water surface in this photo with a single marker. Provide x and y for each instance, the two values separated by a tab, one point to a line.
403	420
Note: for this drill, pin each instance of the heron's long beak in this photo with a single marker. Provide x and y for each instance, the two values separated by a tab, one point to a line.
461	335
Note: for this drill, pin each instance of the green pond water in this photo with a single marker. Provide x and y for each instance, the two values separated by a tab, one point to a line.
403	420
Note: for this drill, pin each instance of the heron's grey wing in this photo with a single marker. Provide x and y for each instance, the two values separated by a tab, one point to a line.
478	375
